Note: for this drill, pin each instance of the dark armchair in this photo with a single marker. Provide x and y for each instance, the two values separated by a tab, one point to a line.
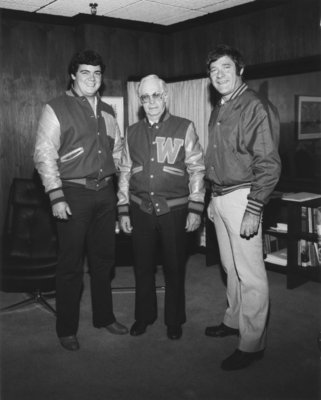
30	245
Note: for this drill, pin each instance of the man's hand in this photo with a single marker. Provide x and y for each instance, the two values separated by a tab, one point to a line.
210	213
125	224
193	221
61	210
250	224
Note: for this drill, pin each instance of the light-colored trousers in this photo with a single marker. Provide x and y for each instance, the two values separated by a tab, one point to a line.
242	260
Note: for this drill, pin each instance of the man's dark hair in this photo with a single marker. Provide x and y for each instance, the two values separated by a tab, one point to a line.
88	57
224	50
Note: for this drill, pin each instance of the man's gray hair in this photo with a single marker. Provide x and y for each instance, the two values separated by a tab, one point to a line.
152	77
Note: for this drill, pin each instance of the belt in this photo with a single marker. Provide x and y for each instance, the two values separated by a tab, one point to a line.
90	183
170	202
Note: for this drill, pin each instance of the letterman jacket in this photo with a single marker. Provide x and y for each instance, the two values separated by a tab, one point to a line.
162	166
75	145
243	147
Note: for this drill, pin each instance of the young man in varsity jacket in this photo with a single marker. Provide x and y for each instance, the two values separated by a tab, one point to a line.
77	150
160	200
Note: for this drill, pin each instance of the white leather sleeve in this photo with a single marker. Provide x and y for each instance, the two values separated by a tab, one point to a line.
194	160
125	166
46	149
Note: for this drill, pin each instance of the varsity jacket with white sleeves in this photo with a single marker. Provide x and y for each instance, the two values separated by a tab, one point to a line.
74	144
162	166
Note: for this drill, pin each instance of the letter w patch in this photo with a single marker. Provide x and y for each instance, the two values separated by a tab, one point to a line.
168	149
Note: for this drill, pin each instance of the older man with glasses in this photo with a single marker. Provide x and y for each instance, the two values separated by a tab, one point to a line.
161	199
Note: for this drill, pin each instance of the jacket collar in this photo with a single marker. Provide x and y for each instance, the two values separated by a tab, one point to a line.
162	118
237	92
71	92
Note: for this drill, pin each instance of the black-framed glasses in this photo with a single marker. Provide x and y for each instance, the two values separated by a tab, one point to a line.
145	98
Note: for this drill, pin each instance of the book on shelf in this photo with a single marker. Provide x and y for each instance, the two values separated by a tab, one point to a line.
317	247
316	220
280	227
308	254
270	243
300	196
310	218
279	257
304	256
304	219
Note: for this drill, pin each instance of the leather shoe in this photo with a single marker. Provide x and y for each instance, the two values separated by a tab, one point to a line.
69	342
174	332
220	331
138	328
241	359
116	328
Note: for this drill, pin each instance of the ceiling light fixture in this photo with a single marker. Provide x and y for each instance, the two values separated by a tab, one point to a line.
93	8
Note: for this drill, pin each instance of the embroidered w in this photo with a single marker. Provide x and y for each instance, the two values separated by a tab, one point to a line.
168	149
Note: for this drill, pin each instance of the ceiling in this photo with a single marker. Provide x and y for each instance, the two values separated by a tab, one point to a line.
162	12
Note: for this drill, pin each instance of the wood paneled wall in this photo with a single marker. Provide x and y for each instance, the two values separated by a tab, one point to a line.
35	51
34	60
287	31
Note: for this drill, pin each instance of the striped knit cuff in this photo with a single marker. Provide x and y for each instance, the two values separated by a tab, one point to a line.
254	207
123	209
195	207
56	196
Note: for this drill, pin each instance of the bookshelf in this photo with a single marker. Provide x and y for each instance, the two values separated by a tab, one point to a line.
290	238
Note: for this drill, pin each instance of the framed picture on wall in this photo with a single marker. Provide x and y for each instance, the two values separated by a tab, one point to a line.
309	117
118	105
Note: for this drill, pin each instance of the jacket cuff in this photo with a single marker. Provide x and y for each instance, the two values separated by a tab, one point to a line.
123	209
195	207
254	207
56	196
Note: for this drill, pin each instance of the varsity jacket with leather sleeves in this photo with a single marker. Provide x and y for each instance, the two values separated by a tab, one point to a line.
242	147
75	144
162	166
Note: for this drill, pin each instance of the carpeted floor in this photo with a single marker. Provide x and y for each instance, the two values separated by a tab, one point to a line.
151	367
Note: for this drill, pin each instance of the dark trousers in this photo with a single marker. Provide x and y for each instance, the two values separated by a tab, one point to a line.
91	230
168	232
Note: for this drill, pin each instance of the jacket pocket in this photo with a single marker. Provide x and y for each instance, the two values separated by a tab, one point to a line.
174	171
72	154
137	169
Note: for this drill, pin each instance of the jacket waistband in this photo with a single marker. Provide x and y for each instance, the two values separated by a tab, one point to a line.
221	191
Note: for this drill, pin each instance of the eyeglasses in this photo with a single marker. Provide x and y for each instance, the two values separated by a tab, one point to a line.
145	98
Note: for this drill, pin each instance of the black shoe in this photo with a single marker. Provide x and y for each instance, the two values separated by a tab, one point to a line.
241	359
220	331
174	332
69	342
138	328
116	328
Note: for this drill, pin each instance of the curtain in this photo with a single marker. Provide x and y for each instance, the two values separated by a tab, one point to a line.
133	102
189	99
